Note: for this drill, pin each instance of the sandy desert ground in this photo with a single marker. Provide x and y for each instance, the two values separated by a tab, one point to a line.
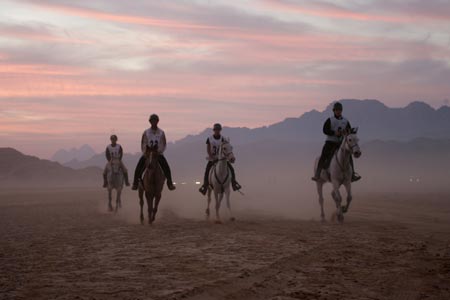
63	244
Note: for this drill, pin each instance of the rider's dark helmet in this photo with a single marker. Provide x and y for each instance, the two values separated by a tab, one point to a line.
337	106
113	137
217	126
153	117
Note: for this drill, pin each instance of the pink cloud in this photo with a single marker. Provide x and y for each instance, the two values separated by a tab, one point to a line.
334	12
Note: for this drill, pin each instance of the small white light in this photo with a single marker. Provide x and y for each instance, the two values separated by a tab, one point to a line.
198	182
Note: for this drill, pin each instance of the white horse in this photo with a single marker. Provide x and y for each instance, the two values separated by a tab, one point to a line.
339	173
220	179
115	180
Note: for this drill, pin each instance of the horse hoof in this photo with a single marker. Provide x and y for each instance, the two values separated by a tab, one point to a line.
333	217
218	222
323	220
232	219
110	208
340	218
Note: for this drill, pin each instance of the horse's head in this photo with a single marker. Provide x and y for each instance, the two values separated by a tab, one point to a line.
226	150
351	141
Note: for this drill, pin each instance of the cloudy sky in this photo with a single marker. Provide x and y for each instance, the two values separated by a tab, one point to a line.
73	72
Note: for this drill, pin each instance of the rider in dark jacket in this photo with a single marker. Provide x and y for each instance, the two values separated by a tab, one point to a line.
334	129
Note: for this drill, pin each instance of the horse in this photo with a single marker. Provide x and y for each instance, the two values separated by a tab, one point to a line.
220	180
152	185
339	173
115	179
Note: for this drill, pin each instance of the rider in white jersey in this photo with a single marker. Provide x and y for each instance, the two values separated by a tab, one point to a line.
334	129
214	142
114	151
153	137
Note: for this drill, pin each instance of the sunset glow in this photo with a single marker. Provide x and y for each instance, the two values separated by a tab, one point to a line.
73	72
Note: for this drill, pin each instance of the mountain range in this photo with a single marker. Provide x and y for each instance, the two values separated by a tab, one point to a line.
79	154
17	169
374	119
397	143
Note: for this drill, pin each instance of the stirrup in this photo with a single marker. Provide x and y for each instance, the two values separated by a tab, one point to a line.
355	177
236	186
135	186
203	189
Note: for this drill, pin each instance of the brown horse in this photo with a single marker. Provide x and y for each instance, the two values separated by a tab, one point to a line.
152	185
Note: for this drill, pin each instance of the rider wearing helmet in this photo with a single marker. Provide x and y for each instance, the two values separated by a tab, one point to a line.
334	128
114	151
213	144
153	137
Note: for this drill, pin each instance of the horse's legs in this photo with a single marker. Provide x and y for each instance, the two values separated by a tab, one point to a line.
118	194
110	208
227	196
338	200
150	197
219	198
208	203
320	192
141	203
348	188
155	209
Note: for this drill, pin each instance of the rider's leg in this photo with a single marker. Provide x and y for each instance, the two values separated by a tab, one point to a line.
138	172
322	159
355	176
204	188
105	172
166	169
125	173
236	186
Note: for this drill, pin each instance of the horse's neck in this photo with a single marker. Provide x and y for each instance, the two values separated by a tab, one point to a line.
153	164
222	168
343	155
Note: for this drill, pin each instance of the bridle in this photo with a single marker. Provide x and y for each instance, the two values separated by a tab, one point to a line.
222	151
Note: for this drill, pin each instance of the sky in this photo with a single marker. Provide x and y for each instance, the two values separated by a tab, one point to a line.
74	72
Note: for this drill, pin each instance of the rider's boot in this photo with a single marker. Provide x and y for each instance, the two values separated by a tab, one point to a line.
235	185
170	185
317	175
203	189
355	177
127	182
138	173
105	181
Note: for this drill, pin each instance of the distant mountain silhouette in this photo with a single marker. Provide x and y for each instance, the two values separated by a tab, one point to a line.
303	136
80	154
375	120
17	169
99	160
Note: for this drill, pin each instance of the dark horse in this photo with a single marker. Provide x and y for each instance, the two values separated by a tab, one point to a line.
152	185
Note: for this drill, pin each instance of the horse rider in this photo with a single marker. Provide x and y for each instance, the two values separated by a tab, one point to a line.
213	144
114	151
153	137
334	128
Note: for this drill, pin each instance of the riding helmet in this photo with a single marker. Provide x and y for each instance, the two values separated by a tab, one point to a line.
153	117
337	106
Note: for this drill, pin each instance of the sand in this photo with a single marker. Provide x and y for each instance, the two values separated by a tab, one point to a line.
63	244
